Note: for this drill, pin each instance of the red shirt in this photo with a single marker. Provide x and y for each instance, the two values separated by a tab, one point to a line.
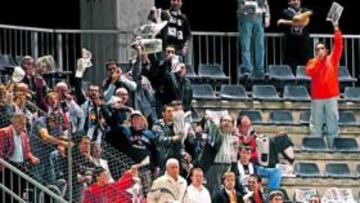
111	193
324	72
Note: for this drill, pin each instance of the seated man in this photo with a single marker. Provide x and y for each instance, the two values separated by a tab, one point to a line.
243	168
227	192
276	197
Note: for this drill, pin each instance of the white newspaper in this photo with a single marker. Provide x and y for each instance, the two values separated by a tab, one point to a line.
216	115
303	195
334	13
338	195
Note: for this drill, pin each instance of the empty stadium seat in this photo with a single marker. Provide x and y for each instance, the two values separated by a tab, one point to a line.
281	72
212	71
301	75
203	91
314	144
254	115
347	118
305	117
337	170
296	93
346	144
352	93
233	92
6	61
344	75
190	72
265	92
307	170
281	117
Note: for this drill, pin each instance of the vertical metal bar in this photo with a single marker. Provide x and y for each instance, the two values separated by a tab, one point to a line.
5	41
60	51
199	47
346	53
21	42
214	48
52	43
11	41
26	43
35	44
206	49
353	58
75	51
191	51
229	58
15	41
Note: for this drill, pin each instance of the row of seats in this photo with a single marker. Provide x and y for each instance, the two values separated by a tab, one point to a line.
285	117
341	144
276	72
332	170
264	93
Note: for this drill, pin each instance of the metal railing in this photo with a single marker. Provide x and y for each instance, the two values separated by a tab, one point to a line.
206	47
33	190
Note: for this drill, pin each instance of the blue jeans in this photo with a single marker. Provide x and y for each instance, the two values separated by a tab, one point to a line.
252	36
272	174
325	111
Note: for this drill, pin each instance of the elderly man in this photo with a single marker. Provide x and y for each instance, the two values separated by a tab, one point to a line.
276	197
170	187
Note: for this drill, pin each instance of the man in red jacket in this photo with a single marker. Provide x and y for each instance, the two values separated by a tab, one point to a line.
323	70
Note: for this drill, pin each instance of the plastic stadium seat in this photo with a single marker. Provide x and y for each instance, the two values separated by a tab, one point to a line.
281	117
346	144
307	170
254	115
233	92
212	71
203	91
347	118
337	170
190	72
281	72
296	93
352	93
344	75
305	117
301	75
265	92
6	61
314	144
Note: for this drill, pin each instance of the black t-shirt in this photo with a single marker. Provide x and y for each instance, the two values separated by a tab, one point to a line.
295	31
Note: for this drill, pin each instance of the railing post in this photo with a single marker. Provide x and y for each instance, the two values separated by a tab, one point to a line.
35	44
59	51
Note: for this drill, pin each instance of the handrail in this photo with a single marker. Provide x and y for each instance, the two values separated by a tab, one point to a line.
11	193
29	179
115	31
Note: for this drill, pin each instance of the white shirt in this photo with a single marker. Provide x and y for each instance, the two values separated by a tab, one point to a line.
18	155
196	195
228	150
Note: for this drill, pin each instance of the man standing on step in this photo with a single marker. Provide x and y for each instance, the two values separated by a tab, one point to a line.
323	70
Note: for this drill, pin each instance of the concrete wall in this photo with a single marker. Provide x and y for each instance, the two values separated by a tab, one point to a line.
122	15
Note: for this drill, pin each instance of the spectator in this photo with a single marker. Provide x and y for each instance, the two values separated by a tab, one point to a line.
177	31
227	193
276	197
314	199
28	64
220	150
104	191
196	192
170	187
256	188
278	144
250	24
295	20
15	148
95	157
168	143
244	168
323	70
6	107
69	106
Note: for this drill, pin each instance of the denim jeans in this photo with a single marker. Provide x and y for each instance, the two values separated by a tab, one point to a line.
272	174
252	36
324	111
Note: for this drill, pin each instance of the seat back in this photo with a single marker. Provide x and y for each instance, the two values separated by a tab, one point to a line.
296	93
306	169
265	92
282	117
211	70
339	170
313	144
233	92
352	93
254	115
300	73
345	144
203	91
281	72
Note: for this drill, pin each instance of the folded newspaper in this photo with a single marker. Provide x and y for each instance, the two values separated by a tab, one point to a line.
334	13
338	195
83	63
